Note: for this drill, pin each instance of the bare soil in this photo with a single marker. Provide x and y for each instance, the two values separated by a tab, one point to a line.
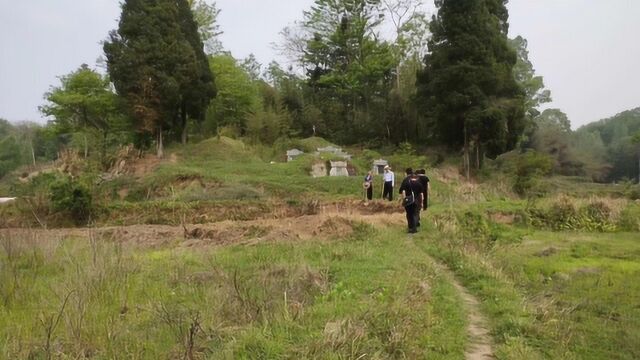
477	329
329	222
479	344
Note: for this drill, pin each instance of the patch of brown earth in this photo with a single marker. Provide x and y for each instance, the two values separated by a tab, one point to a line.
327	225
334	226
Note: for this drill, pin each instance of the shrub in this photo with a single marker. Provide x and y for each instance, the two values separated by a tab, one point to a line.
630	218
529	168
564	215
72	198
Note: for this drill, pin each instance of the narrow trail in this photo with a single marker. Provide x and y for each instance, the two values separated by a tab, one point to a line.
479	340
479	344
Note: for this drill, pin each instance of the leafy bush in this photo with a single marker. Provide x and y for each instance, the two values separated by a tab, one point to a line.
529	168
630	218
71	198
563	215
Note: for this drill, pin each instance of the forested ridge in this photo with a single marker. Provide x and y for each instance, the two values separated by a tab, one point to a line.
456	81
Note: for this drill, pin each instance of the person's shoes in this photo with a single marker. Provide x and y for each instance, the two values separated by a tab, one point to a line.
412	231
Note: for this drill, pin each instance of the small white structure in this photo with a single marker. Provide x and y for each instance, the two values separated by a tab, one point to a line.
335	151
378	166
293	153
4	200
319	169
339	168
330	149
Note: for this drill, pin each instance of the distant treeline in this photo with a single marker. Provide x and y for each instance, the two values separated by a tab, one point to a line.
453	80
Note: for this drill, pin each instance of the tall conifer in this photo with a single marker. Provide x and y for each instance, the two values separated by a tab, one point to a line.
467	87
157	63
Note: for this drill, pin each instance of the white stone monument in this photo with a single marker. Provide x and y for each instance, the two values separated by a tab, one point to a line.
378	166
338	168
293	153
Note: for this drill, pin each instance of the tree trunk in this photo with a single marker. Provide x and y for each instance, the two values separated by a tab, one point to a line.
465	156
33	153
183	117
477	155
160	146
103	155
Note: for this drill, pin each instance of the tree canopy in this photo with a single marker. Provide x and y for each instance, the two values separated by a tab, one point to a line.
467	86
157	63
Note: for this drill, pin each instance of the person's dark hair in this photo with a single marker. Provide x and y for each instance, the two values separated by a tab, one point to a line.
421	172
409	171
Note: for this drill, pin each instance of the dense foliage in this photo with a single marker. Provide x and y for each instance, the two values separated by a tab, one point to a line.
454	81
157	63
615	139
467	86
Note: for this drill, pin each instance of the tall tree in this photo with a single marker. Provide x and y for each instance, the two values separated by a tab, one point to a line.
157	63
348	68
83	101
206	16
199	87
467	84
411	27
525	74
238	95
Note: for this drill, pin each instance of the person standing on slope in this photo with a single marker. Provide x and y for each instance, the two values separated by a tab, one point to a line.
411	191
426	188
389	183
368	185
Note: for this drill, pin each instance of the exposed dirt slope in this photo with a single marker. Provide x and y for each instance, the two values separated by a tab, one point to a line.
325	225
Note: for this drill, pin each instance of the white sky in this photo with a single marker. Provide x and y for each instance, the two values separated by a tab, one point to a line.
587	50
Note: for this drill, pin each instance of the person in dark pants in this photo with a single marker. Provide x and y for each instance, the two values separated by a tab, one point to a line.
426	186
411	191
368	185
389	183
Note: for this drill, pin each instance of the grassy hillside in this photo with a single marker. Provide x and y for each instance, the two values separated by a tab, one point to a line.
244	258
212	176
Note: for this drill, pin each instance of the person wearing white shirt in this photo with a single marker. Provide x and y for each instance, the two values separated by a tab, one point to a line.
389	183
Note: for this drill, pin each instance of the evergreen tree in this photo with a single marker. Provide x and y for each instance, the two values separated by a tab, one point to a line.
532	84
349	69
157	63
467	86
199	88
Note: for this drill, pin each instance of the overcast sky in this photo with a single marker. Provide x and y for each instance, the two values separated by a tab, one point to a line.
587	50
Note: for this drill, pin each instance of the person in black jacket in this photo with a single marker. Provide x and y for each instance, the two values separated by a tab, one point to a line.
411	191
426	187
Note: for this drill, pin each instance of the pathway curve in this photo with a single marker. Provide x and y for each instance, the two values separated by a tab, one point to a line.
479	344
479	339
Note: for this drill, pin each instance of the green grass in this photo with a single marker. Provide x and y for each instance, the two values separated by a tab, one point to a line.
373	294
569	295
593	280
